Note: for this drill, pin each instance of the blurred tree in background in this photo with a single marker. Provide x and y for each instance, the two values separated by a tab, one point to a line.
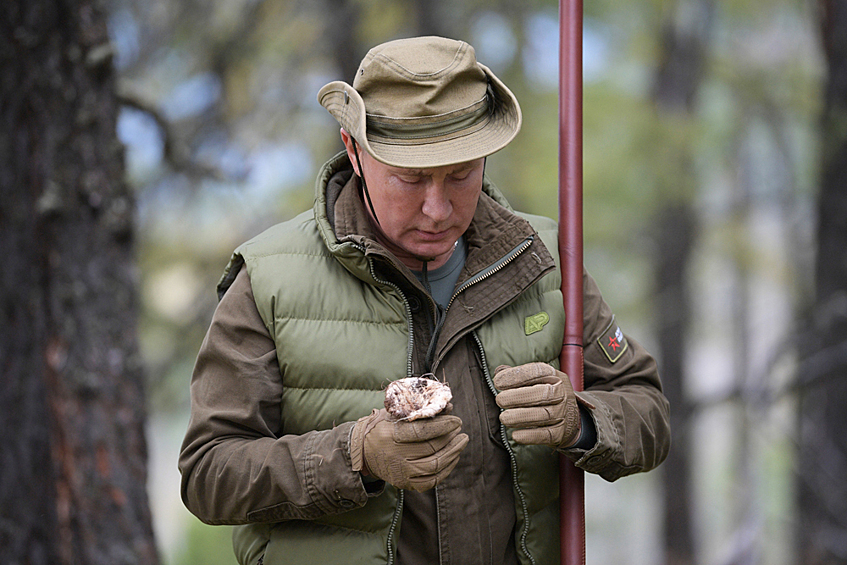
822	457
685	39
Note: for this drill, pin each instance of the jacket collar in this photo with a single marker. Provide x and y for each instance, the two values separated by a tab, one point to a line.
494	232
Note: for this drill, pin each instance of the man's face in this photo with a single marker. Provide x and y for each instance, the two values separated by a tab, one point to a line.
421	212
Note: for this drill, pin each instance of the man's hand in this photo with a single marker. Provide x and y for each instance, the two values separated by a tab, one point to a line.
413	455
539	402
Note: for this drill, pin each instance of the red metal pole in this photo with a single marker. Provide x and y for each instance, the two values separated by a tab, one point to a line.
571	479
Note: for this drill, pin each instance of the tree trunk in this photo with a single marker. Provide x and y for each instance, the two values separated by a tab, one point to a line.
428	18
342	37
72	475
675	242
822	457
675	89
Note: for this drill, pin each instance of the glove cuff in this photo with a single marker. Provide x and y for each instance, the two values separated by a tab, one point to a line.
573	424
357	444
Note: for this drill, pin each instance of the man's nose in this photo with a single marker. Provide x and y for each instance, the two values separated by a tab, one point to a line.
437	205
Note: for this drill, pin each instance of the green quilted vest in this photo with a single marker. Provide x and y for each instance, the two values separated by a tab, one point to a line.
339	339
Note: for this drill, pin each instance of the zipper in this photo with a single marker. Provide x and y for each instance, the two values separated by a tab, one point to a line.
394	520
438	527
511	452
408	310
482	275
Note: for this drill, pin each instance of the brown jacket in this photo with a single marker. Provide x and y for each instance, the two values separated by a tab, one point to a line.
236	461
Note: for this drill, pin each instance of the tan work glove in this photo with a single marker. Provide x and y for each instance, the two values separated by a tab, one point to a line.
539	402
414	455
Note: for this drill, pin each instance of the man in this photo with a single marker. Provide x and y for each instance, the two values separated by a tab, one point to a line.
411	263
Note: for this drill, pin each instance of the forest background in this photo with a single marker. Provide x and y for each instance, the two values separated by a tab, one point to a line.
714	151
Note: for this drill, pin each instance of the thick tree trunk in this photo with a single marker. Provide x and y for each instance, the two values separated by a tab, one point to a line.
675	91
73	475
822	458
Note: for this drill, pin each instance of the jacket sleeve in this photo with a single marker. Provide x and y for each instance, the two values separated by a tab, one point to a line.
236	467
622	386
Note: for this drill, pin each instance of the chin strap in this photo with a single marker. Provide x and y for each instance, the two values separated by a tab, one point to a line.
364	185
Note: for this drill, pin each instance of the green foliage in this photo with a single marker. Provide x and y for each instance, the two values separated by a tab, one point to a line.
206	545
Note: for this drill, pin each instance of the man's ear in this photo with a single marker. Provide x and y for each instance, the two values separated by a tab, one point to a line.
348	145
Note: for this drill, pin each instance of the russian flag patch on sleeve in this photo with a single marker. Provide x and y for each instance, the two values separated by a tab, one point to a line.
612	342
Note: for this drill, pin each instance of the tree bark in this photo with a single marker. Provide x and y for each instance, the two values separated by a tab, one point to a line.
822	457
73	470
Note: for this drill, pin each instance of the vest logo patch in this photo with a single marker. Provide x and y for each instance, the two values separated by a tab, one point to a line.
612	342
535	323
